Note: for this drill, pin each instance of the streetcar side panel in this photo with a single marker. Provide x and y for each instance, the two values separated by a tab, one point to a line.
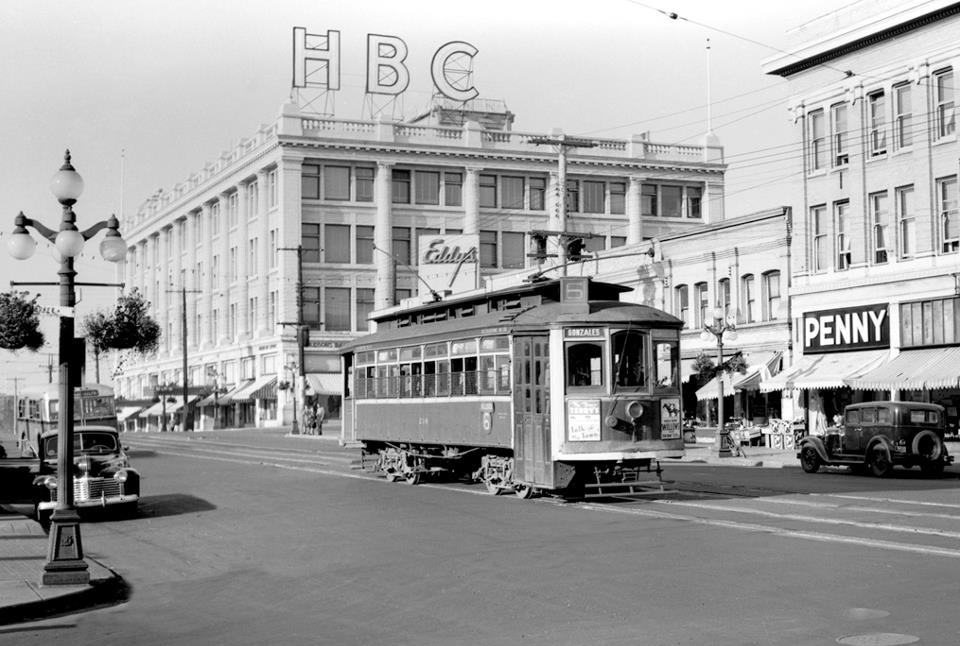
483	423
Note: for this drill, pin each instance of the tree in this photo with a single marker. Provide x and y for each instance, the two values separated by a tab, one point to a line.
19	322
128	327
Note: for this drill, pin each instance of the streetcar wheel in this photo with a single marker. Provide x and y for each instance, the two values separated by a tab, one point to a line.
492	488
880	464
391	476
809	460
523	491
412	477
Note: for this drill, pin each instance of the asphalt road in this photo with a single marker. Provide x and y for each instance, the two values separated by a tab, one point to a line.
251	539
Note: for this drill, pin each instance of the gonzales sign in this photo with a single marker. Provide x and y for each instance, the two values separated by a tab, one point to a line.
848	328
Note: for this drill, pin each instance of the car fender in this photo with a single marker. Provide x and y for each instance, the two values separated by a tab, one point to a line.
938	443
817	444
884	443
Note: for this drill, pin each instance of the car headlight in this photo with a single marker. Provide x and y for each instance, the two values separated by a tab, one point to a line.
50	482
120	476
84	464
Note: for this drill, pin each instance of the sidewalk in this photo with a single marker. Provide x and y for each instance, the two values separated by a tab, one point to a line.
752	456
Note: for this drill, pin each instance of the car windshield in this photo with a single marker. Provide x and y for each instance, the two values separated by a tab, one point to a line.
89	442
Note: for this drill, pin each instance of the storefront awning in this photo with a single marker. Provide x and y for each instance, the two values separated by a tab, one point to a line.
172	405
762	363
324	383
127	412
822	371
227	398
249	391
921	369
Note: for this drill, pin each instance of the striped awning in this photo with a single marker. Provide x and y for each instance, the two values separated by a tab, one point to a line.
126	412
763	362
825	371
256	389
920	369
324	383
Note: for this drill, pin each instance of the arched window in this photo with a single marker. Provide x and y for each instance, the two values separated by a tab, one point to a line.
682	304
748	297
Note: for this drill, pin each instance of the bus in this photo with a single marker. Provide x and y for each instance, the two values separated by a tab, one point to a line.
38	410
554	386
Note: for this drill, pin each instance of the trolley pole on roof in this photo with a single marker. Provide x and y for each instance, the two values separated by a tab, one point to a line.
562	142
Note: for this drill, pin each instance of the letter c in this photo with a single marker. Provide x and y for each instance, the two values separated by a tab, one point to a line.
440	72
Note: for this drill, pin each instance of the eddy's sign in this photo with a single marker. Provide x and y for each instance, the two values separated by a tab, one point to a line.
386	71
848	328
449	262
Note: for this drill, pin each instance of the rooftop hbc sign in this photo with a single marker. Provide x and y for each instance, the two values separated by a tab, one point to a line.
316	63
848	328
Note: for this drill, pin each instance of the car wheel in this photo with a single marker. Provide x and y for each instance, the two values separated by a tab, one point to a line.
879	463
809	459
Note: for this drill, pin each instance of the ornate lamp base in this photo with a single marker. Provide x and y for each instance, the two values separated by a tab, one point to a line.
65	564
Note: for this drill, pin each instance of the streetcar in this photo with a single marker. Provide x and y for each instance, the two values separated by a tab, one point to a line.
554	386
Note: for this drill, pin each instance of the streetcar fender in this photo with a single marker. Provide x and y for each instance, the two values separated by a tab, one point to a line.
816	443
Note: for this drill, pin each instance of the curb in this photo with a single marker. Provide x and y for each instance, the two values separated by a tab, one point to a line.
103	591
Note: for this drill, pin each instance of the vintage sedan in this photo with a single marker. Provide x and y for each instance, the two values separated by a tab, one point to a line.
102	476
879	435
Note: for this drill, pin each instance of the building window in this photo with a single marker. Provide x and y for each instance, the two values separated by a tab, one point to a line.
844	253
364	180
252	314
683	304
273	248
671	201
232	330
749	297
618	198
538	192
336	247
401	245
694	200
947	204
336	182
838	134
702	300
818	141
364	243
648	199
723	294
427	187
876	108
573	196
272	188
906	224
453	189
365	302
514	251
902	116
215	272
310	242
253	246
234	270
878	214
594	197
253	199
488	248
336	308
946	123
310	306
233	204
272	310
488	191
401	186
618	241
512	188
771	287
215	218
594	244
818	215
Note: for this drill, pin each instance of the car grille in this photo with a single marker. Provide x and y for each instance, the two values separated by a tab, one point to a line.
95	488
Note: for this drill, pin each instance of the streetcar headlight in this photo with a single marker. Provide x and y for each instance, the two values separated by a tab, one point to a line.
635	409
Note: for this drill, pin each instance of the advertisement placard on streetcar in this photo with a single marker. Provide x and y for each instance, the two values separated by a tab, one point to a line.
583	420
669	419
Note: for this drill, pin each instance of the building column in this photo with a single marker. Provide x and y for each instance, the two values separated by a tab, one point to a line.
386	286
244	328
263	255
206	333
162	283
471	200
192	279
635	211
223	335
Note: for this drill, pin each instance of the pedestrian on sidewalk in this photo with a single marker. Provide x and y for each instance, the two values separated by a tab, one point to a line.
319	413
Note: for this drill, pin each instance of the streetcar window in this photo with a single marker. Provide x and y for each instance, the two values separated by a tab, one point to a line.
503	367
463	347
584	364
435	350
488	374
667	364
630	359
493	343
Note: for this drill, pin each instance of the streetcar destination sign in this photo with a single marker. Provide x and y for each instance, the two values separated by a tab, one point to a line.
848	328
576	332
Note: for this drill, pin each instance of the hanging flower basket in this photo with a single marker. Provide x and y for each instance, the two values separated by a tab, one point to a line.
19	322
128	327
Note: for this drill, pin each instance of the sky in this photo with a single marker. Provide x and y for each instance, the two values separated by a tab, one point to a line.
144	93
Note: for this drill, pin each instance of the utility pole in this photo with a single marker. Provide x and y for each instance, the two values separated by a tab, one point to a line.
186	421
49	367
562	142
298	383
16	401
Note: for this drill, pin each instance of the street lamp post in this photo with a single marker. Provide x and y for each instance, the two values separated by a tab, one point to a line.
65	564
722	329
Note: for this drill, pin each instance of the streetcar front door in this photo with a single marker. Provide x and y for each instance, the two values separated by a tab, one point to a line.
531	405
